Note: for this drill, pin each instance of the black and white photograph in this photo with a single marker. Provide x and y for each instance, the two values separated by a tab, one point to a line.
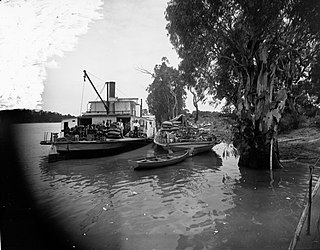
160	124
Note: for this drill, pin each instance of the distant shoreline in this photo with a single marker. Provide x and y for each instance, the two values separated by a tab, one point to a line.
32	116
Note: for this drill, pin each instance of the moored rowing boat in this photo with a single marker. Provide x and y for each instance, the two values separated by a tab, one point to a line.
193	147
159	160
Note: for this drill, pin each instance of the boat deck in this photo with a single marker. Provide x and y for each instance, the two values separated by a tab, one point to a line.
124	139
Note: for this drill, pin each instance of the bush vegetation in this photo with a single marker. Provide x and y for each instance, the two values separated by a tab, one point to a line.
31	116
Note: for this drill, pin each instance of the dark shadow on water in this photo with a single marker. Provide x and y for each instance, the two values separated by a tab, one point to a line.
23	225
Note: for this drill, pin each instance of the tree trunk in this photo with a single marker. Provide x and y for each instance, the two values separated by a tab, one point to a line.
175	104
255	150
195	104
294	111
197	114
259	113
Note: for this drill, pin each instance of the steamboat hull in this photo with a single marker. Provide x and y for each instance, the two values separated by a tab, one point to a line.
90	149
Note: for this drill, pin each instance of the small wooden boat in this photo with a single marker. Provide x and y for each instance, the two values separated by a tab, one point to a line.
159	160
193	148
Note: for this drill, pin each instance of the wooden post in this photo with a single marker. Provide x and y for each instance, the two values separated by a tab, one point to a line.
271	167
107	97
310	201
303	215
141	108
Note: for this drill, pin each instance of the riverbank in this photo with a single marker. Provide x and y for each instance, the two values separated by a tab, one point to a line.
31	116
300	145
219	124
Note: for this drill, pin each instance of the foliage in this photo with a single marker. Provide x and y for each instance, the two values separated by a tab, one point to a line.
258	54
314	92
166	98
198	83
315	121
288	122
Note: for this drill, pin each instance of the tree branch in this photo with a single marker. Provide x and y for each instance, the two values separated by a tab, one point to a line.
145	71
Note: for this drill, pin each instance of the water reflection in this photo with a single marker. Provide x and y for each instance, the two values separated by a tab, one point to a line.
203	202
261	216
162	202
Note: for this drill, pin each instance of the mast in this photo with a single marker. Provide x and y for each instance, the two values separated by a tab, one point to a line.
103	102
141	108
107	94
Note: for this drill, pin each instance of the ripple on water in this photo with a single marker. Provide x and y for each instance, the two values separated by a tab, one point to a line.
206	202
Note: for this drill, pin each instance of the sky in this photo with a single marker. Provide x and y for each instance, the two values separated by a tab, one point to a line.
45	46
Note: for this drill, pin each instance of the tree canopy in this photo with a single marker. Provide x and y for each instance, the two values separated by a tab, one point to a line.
223	39
257	54
166	98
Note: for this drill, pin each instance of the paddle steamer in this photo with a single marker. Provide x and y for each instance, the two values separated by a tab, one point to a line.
98	131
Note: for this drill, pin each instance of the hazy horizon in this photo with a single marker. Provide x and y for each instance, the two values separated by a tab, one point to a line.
46	46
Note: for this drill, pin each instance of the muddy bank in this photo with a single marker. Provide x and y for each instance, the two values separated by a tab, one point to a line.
302	144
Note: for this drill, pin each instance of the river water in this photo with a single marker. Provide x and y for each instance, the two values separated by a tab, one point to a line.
205	202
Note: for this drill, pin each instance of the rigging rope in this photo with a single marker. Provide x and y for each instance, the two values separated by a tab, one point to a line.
95	76
100	92
104	85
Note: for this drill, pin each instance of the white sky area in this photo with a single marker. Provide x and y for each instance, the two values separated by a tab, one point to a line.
45	46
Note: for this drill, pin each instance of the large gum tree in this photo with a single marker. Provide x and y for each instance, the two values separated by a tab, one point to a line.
256	51
166	94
